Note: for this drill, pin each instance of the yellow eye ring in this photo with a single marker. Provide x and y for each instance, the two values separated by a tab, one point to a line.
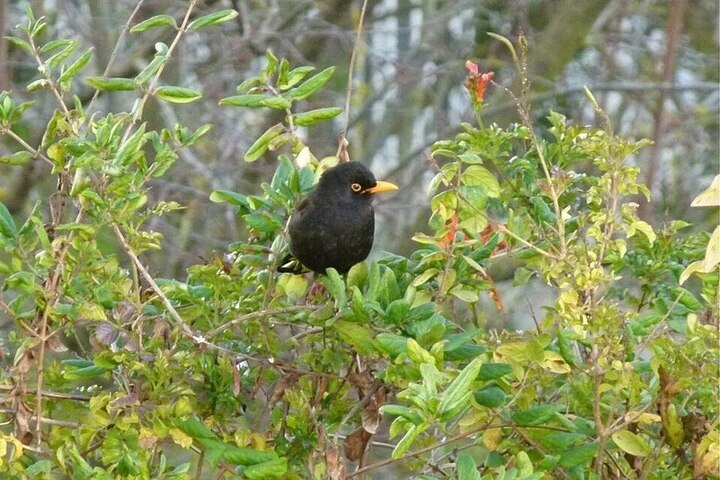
356	187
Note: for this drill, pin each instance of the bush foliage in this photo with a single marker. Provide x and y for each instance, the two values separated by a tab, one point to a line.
237	371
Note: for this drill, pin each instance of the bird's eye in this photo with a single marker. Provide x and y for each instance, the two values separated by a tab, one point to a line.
356	187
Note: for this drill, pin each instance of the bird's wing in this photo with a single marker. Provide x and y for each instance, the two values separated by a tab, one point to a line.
291	264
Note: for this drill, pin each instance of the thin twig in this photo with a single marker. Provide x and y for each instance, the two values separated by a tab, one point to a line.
45	420
351	67
53	288
115	51
26	146
342	151
139	108
501	228
249	316
50	394
151	281
450	440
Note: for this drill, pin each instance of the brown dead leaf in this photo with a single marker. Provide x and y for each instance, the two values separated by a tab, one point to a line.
362	381
23	363
668	384
128	400
371	416
236	377
320	389
288	381
335	465
22	423
356	443
124	312
147	440
55	344
162	330
106	333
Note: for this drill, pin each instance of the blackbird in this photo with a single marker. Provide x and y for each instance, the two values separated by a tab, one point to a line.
334	225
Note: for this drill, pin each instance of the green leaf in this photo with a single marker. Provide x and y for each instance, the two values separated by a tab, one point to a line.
249	100
272	63
196	429
76	66
212	19
278	103
392	343
580	455
357	275
260	146
631	443
673	426
63	54
272	469
295	75
558	441
37	84
151	69
154	22
467	296
248	84
491	371
643	227
7	224
425	276
360	337
177	94
111	84
710	197
542	211
534	416
21	44
459	390
406	442
521	277
417	353
643	323
312	117
466	467
712	253
242	456
477	175
311	85
411	414
84	372
17	158
492	396
334	284
397	311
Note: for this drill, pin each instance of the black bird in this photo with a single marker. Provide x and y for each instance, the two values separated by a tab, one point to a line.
334	225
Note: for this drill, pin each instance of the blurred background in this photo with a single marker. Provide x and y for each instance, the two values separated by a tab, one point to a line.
653	66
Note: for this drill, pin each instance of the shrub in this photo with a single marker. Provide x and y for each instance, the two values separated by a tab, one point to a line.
239	370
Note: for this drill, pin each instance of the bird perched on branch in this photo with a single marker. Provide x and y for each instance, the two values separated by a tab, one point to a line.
334	225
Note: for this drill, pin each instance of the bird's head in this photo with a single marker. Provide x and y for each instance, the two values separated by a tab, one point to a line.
353	180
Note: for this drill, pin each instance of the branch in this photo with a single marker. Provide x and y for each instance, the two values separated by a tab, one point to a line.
249	316
139	108
450	440
114	53
26	146
179	322
45	420
351	67
50	394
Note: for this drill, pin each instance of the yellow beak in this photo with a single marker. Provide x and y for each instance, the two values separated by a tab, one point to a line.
381	186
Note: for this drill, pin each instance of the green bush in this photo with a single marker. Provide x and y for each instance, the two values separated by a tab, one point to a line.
242	372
